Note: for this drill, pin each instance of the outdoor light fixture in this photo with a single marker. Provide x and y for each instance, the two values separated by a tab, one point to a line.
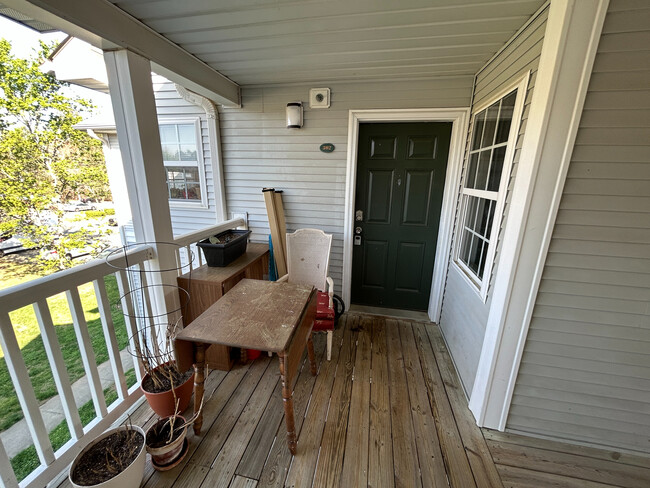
294	115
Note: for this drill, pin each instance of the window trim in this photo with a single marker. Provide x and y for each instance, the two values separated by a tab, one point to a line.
482	285
203	202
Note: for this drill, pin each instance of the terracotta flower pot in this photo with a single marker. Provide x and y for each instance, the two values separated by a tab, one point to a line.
163	403
130	477
169	455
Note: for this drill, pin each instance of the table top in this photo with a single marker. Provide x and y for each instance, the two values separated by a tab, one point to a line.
254	314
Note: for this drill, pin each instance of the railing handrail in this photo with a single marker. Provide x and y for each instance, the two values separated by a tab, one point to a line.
27	293
195	236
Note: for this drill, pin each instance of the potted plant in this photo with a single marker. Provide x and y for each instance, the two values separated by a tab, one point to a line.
115	459
166	440
167	390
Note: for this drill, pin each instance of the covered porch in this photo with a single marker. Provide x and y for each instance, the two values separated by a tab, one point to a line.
387	410
391	407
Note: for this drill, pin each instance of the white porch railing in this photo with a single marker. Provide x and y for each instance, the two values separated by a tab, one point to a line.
36	293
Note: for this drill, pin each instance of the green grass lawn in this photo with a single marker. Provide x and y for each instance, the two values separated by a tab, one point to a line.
27	460
17	270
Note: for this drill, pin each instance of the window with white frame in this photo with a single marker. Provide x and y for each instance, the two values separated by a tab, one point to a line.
484	185
181	149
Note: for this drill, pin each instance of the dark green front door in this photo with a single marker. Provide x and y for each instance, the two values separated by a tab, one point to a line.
400	181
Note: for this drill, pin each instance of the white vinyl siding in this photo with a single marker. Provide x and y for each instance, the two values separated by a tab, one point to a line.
259	151
173	109
464	312
585	371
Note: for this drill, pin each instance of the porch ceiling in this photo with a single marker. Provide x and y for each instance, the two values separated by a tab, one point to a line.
284	41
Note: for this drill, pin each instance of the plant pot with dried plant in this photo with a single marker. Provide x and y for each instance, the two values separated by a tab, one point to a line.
166	440
167	389
115	459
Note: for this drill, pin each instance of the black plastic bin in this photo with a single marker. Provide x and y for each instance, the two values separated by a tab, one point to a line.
219	255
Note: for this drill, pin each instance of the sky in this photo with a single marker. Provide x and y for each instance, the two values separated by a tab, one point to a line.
25	40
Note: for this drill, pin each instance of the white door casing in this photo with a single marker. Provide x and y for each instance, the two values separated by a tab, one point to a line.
459	117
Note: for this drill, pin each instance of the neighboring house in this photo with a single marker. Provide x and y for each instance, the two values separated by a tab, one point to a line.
188	132
534	251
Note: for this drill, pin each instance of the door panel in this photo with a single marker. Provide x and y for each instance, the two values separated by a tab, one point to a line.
400	181
417	197
380	184
375	258
410	261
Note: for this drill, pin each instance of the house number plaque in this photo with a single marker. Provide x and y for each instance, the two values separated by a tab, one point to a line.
328	147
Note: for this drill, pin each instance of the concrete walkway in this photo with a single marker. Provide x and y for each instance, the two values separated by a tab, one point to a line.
17	437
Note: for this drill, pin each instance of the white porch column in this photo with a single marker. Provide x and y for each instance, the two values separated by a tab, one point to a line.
570	44
129	79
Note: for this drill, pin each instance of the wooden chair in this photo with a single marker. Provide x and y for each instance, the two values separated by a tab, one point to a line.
308	254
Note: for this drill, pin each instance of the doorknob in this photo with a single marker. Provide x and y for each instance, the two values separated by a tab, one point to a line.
357	236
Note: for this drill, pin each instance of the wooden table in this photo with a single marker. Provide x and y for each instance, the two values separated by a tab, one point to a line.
263	315
207	284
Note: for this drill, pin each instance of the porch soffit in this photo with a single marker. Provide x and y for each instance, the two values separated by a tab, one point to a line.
302	41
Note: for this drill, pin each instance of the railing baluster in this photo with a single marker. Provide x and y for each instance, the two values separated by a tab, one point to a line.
7	476
146	299
86	350
127	307
111	339
59	371
188	250
199	254
24	390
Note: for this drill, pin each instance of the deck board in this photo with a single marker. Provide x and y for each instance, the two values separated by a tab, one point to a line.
380	456
355	462
405	464
386	411
432	465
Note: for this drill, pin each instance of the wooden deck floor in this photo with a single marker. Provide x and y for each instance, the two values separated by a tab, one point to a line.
386	411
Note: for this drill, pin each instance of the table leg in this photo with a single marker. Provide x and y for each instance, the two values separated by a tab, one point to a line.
310	353
287	399
199	379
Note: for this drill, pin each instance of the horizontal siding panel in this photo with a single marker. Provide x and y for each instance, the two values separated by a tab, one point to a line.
624	42
590	421
600	263
602	218
596	304
620	171
602	234
606	136
561	404
615	117
627	21
607	439
588	365
552	349
559	384
636	280
622	61
606	290
637	80
596	318
630	203
621	99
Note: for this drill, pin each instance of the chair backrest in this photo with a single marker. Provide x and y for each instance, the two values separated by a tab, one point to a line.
308	255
